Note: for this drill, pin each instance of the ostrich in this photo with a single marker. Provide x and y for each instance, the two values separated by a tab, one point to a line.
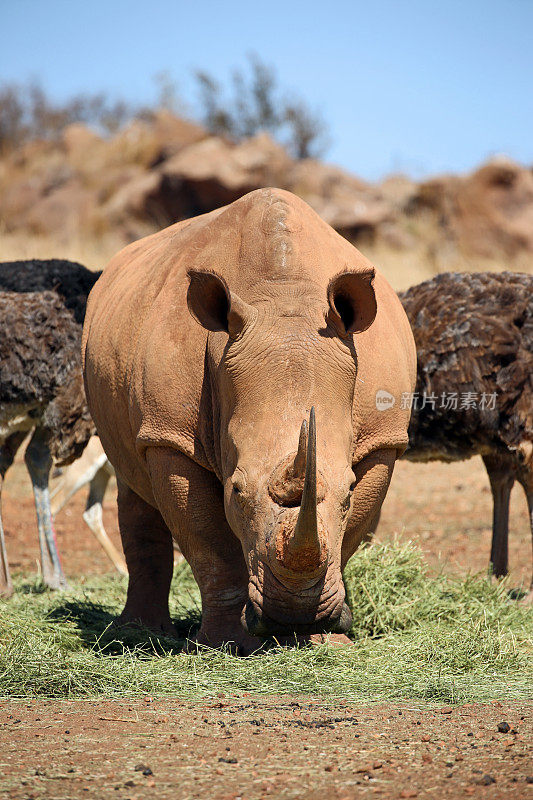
39	357
94	469
41	390
70	280
474	392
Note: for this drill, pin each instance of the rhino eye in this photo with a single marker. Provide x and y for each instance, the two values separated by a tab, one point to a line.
239	483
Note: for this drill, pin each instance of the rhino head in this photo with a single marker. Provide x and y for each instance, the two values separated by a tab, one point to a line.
282	367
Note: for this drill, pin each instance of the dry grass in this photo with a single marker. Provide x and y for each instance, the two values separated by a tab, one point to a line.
430	255
405	268
438	639
89	251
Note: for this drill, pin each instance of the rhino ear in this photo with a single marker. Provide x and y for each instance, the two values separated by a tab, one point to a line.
213	305
352	302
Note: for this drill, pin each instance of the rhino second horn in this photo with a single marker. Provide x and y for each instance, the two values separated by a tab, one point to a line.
298	469
304	543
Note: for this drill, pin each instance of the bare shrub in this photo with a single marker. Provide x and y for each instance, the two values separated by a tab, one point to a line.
27	113
253	103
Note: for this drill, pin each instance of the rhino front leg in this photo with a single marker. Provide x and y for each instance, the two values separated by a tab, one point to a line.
372	478
147	545
190	499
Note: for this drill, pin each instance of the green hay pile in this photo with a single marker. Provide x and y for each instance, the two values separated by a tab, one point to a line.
438	639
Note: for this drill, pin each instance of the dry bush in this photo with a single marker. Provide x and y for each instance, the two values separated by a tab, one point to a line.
254	103
28	113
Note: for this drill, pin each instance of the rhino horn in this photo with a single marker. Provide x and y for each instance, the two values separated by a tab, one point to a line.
304	544
298	468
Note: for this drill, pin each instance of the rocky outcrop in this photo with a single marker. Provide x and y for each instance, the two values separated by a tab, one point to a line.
163	169
488	213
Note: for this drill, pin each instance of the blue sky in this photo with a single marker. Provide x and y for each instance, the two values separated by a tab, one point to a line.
419	87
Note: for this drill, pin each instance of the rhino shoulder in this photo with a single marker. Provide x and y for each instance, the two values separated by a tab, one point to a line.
386	375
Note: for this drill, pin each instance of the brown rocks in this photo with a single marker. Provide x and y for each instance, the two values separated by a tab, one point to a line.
488	213
161	169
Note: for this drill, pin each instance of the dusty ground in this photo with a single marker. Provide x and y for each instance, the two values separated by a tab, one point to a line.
281	747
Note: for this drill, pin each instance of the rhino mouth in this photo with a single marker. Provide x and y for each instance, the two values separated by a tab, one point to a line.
273	609
257	623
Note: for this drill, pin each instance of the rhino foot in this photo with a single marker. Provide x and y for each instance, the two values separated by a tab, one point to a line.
527	599
160	626
242	644
233	638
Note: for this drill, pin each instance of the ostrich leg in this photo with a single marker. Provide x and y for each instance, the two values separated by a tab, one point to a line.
501	477
93	517
96	472
529	495
525	476
39	461
8	451
6	587
78	474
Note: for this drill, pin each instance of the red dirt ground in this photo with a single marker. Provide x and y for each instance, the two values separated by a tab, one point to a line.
294	747
227	749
